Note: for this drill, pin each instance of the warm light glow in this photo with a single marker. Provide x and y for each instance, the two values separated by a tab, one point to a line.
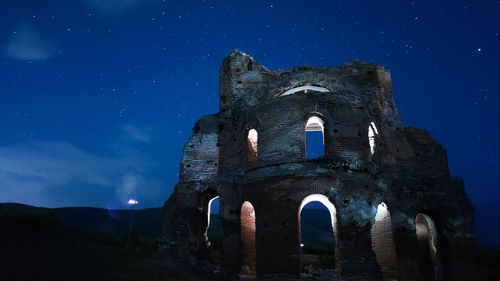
305	89
252	135
372	137
248	248
252	140
132	202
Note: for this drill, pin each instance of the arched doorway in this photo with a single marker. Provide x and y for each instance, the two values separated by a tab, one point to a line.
318	247
427	248
248	247
383	243
213	231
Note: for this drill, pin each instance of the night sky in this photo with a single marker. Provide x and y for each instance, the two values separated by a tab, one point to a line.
98	97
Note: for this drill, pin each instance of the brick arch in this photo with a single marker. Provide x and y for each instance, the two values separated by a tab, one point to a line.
428	255
304	77
323	199
248	241
303	113
382	242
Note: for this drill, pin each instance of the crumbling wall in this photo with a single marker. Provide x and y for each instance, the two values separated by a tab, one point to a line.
185	212
405	168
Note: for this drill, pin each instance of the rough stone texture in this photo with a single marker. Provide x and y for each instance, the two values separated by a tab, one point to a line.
408	172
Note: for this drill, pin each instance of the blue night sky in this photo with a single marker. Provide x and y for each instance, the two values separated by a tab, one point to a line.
99	96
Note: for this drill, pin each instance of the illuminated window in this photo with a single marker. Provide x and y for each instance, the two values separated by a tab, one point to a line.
314	138
372	137
252	147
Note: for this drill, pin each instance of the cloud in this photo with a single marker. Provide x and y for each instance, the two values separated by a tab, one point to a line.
115	6
57	173
136	134
27	44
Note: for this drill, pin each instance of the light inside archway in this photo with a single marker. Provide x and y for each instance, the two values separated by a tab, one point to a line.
372	137
305	89
208	218
315	138
252	139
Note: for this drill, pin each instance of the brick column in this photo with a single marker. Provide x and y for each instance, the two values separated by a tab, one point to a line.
278	245
357	259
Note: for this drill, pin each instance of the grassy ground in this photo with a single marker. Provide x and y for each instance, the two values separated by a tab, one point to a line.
38	247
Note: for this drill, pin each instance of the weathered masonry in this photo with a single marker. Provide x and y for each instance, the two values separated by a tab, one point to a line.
395	211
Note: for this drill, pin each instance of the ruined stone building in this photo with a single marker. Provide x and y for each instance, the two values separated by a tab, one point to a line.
395	211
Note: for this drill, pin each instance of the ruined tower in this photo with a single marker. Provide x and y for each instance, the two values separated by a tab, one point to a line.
395	211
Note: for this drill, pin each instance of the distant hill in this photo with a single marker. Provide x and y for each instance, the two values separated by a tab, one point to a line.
146	222
315	230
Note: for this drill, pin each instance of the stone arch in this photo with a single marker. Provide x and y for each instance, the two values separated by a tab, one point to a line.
427	248
248	246
333	216
383	243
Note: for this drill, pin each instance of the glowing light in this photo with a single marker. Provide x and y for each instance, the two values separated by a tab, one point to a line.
372	136
305	88
132	202
252	138
208	219
314	124
382	212
301	245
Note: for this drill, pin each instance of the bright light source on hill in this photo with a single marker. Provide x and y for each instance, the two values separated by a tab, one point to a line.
132	202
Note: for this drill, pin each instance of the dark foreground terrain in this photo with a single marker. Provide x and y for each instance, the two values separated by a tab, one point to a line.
90	244
36	245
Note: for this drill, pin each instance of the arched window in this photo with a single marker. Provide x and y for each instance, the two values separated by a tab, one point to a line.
428	255
372	137
315	140
252	147
317	226
383	244
247	219
213	231
305	89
